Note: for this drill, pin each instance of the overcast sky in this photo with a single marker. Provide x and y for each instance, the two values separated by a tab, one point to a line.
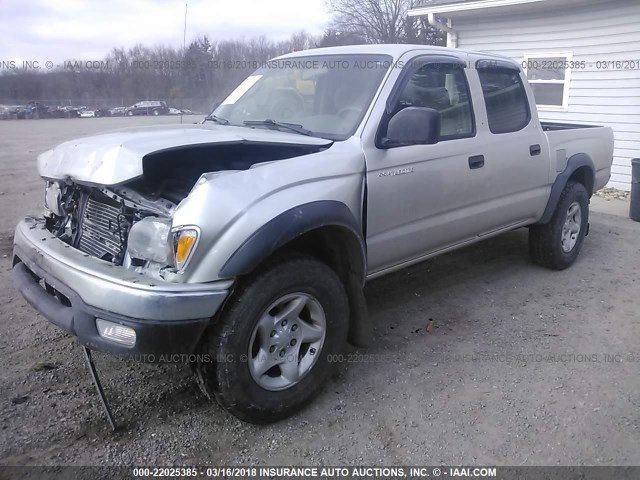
56	30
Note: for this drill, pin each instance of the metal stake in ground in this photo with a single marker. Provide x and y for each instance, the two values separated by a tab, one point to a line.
96	382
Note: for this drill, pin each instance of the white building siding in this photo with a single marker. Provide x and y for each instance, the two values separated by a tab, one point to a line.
603	31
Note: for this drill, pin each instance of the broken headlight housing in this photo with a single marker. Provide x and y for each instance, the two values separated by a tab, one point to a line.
152	239
53	198
149	240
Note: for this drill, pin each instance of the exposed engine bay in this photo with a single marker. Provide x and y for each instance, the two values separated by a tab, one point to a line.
97	221
172	173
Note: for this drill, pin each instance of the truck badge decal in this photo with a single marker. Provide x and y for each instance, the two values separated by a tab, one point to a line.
393	173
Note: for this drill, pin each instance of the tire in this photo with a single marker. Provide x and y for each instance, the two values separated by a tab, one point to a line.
130	113
236	383
556	244
155	113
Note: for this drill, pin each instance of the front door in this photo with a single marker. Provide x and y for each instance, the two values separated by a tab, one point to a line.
423	198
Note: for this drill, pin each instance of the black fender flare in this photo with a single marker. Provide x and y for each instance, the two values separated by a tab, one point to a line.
575	162
285	227
296	222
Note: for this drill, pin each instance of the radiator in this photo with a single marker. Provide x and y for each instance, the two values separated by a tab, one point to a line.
100	234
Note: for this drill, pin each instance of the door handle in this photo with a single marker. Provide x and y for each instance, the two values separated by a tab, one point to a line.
477	161
534	150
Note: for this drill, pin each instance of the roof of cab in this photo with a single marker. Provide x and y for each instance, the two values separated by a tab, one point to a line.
393	50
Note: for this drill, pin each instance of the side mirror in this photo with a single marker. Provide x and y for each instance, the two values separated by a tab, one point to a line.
413	126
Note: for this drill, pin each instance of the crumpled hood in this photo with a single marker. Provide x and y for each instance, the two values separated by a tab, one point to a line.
116	157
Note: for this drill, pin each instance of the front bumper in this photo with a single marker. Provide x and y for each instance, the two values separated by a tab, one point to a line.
71	289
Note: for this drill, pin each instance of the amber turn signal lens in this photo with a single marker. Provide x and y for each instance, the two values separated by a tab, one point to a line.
184	241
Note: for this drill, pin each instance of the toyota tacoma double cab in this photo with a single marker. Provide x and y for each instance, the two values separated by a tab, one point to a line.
245	241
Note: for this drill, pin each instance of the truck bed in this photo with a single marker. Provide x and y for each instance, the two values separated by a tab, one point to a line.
566	140
553	126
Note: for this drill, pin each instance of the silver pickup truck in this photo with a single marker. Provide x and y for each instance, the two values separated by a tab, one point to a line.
245	241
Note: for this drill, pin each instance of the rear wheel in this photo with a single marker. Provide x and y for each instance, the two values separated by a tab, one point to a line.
273	343
557	244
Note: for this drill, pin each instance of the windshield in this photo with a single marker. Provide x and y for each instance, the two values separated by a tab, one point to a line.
327	95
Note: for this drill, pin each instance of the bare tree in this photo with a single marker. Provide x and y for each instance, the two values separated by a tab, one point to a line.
196	77
381	21
333	38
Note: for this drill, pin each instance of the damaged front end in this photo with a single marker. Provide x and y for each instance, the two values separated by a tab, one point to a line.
119	226
119	207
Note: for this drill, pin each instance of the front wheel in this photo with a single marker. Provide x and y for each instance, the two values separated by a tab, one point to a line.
557	244
270	352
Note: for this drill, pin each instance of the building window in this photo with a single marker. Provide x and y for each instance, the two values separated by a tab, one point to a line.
549	75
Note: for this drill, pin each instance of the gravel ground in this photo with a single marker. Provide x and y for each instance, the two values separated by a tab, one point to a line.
479	357
613	193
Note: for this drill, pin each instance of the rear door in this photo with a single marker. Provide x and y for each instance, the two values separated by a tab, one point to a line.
515	176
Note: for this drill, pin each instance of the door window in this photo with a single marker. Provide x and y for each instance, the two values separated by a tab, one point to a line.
442	87
505	99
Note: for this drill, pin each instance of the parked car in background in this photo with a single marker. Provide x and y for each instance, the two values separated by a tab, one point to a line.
103	112
24	112
69	111
56	112
117	111
174	111
28	111
38	109
87	114
12	111
147	107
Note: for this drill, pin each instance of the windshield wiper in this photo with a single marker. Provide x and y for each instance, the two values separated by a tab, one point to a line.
278	125
213	118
